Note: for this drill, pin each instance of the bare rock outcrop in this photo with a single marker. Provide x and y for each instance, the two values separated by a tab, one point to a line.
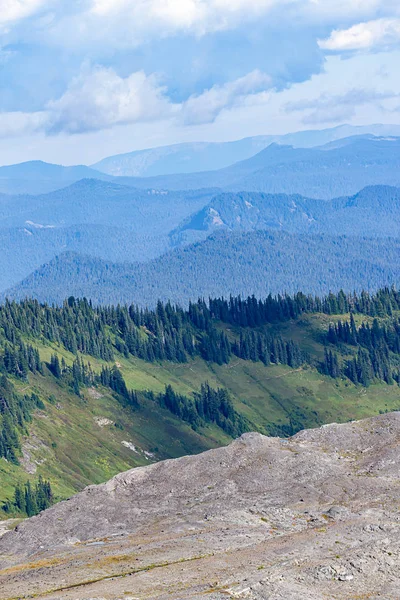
314	516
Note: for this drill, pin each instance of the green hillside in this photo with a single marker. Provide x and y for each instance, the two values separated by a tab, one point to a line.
75	401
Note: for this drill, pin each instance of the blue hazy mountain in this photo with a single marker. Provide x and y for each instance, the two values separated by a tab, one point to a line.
38	177
90	201
324	172
104	219
122	224
24	249
208	156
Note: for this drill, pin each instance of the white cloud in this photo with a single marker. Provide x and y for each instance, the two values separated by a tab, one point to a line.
199	16
257	114
15	124
12	11
95	100
380	33
204	108
335	108
130	23
98	98
218	14
84	24
334	9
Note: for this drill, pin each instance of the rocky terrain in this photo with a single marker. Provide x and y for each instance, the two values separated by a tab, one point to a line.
312	517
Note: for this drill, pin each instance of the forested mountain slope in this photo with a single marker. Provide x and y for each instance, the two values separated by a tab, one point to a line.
24	249
89	392
109	221
120	224
226	263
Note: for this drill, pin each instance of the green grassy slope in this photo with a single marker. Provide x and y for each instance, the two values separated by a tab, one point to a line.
76	441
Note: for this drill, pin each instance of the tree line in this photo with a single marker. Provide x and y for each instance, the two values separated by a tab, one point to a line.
30	499
376	344
15	414
206	406
167	333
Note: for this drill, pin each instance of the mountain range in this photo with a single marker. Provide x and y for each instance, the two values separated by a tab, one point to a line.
339	168
207	156
90	201
124	377
368	213
323	172
104	219
38	177
121	236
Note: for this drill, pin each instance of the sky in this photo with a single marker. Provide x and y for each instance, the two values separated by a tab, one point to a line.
84	79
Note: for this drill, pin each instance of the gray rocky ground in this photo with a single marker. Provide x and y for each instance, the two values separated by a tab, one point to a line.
309	518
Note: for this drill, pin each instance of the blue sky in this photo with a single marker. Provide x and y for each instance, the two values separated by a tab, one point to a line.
83	79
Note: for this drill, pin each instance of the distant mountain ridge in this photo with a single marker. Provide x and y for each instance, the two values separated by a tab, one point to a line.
204	156
371	212
38	177
90	201
24	249
313	172
281	188
337	168
100	218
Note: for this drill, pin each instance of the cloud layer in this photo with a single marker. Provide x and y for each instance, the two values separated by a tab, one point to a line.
99	99
91	66
205	107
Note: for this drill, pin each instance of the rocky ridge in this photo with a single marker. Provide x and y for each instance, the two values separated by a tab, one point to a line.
314	516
